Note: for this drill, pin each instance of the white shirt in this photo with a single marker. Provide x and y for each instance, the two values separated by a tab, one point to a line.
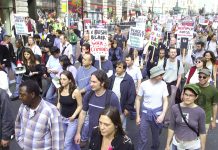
4	82
116	86
153	93
68	51
36	50
53	63
212	47
171	70
135	73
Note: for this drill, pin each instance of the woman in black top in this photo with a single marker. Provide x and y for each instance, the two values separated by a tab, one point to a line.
70	105
33	71
109	135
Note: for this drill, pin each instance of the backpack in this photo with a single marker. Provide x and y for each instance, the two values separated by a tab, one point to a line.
178	65
108	97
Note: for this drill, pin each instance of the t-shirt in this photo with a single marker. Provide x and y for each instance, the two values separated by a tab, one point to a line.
36	50
194	79
211	46
171	70
208	96
95	104
105	65
195	117
153	93
120	39
135	73
53	63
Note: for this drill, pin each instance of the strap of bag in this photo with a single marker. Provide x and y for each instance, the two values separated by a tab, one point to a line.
186	121
65	47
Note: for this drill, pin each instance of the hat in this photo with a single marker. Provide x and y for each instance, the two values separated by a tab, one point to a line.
205	71
193	87
156	71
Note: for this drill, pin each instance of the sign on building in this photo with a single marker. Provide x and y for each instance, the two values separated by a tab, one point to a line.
20	25
99	42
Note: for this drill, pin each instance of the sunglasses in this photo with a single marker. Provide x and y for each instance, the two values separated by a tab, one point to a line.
202	77
197	62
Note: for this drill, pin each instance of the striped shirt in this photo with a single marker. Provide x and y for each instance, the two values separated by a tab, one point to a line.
39	129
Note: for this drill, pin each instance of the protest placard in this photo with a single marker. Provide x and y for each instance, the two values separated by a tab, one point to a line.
156	33
136	37
20	25
99	42
184	32
141	21
169	25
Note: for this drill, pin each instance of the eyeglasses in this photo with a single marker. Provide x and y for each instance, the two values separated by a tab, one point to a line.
197	62
202	77
189	95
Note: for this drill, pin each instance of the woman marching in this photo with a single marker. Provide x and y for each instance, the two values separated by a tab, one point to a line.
109	135
187	123
70	105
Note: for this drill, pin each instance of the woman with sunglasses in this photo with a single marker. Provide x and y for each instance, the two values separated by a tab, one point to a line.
187	123
192	75
211	64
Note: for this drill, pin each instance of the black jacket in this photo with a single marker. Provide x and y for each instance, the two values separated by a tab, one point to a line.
7	55
119	142
127	91
49	41
6	119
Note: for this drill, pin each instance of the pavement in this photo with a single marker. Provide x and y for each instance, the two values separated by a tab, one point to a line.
132	132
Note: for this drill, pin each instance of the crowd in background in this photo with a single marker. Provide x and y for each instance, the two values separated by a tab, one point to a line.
69	101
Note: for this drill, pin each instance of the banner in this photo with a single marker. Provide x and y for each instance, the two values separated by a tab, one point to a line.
156	33
20	24
136	37
99	42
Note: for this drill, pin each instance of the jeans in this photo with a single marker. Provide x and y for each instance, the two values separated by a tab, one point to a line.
123	118
18	79
85	129
74	52
144	127
51	94
69	132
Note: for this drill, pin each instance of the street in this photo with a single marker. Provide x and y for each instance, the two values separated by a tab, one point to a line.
132	132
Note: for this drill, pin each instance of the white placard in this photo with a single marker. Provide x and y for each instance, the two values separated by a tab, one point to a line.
20	24
99	42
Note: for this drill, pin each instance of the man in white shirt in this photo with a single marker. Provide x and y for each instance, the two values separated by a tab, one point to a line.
133	71
173	76
35	48
151	111
66	48
212	45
